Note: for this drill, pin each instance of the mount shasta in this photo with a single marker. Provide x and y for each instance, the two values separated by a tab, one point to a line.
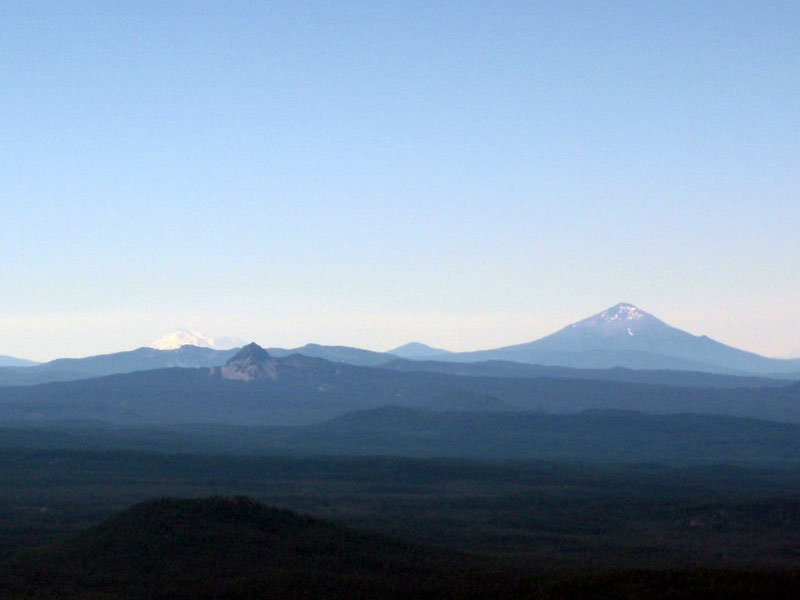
626	336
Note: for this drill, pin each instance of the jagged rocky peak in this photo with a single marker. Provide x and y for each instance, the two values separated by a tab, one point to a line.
251	352
251	362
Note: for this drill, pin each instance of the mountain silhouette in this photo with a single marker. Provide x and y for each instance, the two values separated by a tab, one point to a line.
626	336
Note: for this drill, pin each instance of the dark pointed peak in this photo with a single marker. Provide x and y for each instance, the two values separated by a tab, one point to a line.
251	362
252	352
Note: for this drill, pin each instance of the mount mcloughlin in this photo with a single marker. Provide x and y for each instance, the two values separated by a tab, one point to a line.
626	336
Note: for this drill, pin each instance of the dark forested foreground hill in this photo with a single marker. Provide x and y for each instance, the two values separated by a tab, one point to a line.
234	547
231	547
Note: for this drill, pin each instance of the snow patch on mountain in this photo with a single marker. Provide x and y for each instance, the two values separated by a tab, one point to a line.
622	312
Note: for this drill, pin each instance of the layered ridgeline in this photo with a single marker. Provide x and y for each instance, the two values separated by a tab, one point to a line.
196	353
253	387
626	336
141	359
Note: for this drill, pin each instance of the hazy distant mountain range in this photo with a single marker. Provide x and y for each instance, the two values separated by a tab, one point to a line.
420	408
622	336
420	401
141	359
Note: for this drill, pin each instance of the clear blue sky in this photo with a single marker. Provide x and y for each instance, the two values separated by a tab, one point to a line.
466	174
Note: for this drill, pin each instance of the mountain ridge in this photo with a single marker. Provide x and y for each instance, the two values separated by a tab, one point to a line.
344	354
13	361
129	361
297	390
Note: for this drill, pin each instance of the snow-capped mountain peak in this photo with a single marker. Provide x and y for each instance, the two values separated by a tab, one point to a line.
622	321
182	337
622	312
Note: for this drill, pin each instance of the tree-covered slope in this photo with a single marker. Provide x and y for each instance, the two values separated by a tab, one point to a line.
226	547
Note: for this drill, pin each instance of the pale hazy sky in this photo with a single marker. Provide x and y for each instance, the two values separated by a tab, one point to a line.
466	174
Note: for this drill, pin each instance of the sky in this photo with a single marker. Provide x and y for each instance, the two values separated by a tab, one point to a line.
464	174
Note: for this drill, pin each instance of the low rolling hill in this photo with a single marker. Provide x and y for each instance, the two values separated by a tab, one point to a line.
230	547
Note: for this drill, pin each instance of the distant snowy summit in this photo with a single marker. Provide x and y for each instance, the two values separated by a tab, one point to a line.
622	319
622	312
182	337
